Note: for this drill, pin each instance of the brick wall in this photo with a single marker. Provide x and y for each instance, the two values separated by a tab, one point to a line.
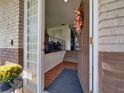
11	29
111	46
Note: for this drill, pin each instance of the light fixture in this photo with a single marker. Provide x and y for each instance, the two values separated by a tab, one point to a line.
65	0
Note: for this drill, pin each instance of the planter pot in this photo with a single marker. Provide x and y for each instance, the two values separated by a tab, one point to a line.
5	86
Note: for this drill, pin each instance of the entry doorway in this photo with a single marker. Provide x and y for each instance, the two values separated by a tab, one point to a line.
93	66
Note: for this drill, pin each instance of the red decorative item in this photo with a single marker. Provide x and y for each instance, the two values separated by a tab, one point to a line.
79	18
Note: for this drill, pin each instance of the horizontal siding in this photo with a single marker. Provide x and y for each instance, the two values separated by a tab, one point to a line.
112	14
112	72
111	46
110	39
113	5
111	25
117	21
111	31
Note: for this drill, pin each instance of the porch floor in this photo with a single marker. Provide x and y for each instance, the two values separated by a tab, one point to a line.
66	82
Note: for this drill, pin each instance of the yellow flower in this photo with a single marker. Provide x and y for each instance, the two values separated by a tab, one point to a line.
9	71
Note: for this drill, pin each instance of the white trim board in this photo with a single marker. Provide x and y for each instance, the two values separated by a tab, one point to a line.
95	47
41	29
90	46
93	53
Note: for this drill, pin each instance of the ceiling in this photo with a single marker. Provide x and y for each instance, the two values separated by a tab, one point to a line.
58	12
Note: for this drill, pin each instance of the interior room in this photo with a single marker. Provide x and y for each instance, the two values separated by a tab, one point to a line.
51	55
63	45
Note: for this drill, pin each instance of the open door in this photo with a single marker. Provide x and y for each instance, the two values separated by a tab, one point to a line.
33	45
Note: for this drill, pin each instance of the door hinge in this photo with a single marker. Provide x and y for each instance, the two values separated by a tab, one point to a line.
91	40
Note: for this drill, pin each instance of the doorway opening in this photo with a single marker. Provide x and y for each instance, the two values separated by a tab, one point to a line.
65	47
59	48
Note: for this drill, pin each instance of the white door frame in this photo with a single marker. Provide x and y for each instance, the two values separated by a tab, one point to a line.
94	83
90	46
93	69
41	30
95	48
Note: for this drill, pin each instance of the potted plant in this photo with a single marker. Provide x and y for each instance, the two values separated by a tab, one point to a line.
7	74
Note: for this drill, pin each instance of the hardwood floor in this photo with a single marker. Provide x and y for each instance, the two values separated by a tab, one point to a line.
70	65
51	75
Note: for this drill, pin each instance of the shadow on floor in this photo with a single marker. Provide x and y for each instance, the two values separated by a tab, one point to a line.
66	82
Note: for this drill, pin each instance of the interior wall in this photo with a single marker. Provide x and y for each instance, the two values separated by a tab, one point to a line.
63	33
111	46
72	56
83	67
11	31
53	59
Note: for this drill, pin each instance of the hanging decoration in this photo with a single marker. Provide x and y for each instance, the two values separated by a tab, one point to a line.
79	21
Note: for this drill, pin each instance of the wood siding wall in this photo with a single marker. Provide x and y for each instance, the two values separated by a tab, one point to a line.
111	46
111	25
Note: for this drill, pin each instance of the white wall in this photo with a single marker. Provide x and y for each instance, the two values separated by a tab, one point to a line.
61	32
72	56
53	59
